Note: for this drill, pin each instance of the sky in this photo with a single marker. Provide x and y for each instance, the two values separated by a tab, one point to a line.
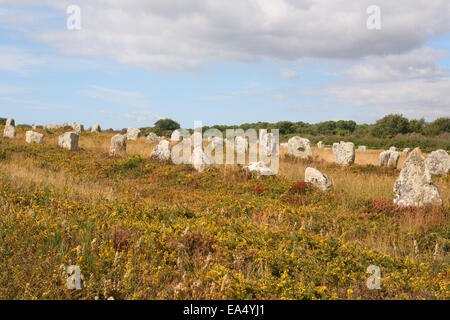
133	62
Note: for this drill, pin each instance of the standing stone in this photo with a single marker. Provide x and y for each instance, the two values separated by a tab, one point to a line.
414	186
118	146
162	151
68	140
176	136
258	168
133	133
217	142
300	147
320	145
389	158
393	148
34	127
96	128
196	139
344	153
318	179
33	137
268	144
10	128
152	137
52	126
74	125
79	128
438	162
406	151
200	160
362	149
241	144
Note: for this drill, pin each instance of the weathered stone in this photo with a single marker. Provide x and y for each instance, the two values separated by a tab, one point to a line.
162	151
438	162
200	160
392	149
320	145
406	151
96	128
10	122
362	149
53	126
241	144
118	146
33	137
268	144
176	136
389	158
68	140
344	153
152	137
217	142
318	179
258	168
34	127
300	148
196	139
79	128
414	186
10	129
133	133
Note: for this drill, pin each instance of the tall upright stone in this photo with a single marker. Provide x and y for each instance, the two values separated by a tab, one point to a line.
68	140
10	128
96	128
438	162
414	186
152	137
344	153
200	160
300	148
118	147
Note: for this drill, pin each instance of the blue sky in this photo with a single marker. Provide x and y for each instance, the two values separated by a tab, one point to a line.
134	62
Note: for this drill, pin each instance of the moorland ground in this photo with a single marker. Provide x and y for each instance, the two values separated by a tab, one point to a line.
143	229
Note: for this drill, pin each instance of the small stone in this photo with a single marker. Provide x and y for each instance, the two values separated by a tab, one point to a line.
414	186
68	140
96	128
438	162
318	179
152	137
258	168
389	158
406	151
33	137
133	133
162	151
362	149
200	161
118	146
393	149
344	153
320	145
300	148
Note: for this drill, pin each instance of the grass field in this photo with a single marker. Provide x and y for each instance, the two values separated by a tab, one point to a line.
142	229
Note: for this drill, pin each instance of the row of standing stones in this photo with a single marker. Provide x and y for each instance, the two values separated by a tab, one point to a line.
414	186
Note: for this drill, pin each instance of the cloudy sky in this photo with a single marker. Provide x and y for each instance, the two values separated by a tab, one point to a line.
223	61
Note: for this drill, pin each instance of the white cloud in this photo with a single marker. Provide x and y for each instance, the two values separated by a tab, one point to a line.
141	116
412	98
416	64
175	35
121	97
15	60
287	74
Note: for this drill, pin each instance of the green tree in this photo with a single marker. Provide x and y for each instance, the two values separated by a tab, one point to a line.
390	126
438	126
415	125
167	124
